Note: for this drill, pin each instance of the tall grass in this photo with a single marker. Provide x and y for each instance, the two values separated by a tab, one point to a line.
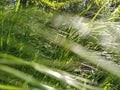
43	51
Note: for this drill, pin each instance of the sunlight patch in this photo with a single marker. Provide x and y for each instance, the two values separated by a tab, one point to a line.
79	23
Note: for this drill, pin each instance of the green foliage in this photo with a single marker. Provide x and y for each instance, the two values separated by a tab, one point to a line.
52	51
17	6
5	2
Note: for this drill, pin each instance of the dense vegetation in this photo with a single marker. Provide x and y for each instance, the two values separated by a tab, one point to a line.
59	45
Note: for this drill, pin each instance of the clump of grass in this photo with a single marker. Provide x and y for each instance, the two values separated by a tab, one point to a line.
42	54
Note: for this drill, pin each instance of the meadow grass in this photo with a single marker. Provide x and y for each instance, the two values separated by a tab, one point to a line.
43	51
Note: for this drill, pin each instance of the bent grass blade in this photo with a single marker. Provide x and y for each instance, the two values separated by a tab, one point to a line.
57	74
25	77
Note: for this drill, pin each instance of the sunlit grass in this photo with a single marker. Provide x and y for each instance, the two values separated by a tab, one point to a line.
40	51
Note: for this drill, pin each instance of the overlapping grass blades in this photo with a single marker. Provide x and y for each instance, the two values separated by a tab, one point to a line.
60	75
27	39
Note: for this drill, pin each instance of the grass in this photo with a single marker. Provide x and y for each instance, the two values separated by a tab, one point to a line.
41	50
